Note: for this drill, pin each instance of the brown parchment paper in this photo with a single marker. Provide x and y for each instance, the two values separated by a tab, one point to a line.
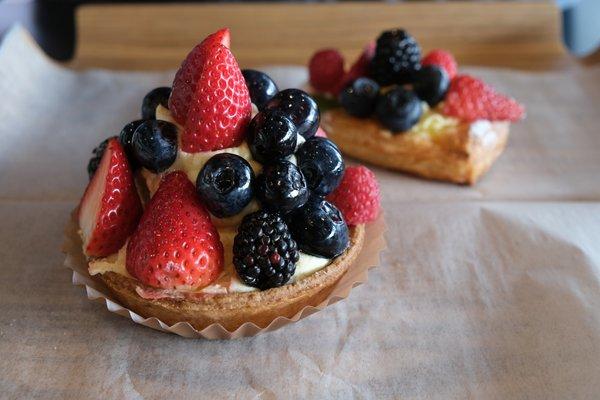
485	292
357	274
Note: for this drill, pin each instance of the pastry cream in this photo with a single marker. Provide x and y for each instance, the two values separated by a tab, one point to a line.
433	123
191	164
228	282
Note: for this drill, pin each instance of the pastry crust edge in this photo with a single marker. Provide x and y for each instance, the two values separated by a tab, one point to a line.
459	156
232	310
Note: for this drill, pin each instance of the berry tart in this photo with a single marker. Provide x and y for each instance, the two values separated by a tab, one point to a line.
223	203
420	116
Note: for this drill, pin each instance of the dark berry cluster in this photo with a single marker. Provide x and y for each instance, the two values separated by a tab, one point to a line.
148	142
397	56
298	171
396	84
264	253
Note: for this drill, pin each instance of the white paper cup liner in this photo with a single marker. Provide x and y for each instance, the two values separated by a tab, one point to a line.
355	275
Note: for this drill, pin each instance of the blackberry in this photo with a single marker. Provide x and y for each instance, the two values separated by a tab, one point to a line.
97	156
264	253
396	58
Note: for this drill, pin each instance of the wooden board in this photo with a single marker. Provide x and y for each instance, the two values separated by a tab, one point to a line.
507	34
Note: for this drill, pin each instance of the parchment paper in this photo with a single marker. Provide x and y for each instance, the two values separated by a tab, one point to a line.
487	292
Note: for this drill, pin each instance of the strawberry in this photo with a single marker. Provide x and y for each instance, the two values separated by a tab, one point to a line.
469	98
175	244
359	69
325	69
441	58
357	196
110	207
184	84
220	109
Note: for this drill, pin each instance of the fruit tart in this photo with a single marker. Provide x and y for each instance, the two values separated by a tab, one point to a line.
221	204
419	116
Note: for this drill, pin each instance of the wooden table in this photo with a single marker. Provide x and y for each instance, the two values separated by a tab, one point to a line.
149	37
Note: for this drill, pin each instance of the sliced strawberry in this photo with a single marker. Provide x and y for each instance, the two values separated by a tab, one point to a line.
359	69
470	99
184	84
220	108
110	207
361	65
175	244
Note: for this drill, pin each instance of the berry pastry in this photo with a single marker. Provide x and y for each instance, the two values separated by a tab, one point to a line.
416	115
225	203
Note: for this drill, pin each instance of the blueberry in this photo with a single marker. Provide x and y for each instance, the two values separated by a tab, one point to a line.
155	145
271	136
260	85
282	187
97	154
399	109
157	96
358	97
300	107
126	139
431	84
319	228
224	184
322	165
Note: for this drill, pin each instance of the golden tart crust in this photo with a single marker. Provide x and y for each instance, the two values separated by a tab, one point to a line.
231	310
460	154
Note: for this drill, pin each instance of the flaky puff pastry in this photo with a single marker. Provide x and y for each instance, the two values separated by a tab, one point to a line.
460	153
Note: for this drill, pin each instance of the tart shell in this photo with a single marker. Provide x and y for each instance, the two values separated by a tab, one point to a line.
461	155
234	309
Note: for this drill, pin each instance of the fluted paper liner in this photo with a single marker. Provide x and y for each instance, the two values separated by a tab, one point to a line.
356	274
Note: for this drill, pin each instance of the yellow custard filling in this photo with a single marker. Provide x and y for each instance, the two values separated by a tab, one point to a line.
191	164
433	123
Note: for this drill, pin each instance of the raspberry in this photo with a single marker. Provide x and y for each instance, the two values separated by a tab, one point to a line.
441	58
326	68
357	196
471	99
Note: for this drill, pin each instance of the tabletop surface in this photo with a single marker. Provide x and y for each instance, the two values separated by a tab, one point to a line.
518	35
488	292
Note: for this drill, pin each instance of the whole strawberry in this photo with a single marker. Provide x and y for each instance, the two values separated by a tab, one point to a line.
357	196
326	69
175	244
470	99
220	107
110	206
184	84
441	58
